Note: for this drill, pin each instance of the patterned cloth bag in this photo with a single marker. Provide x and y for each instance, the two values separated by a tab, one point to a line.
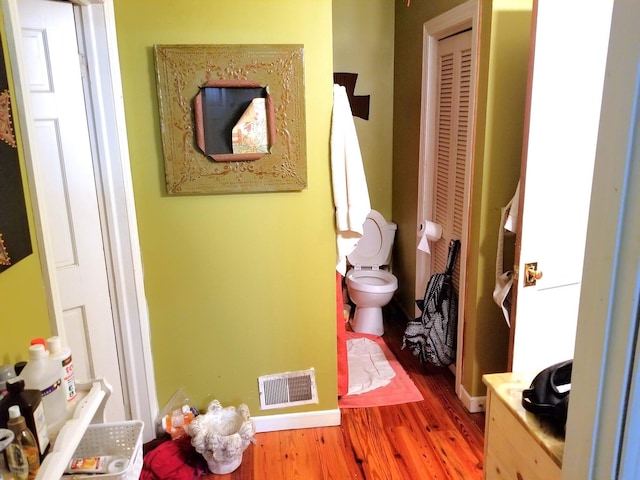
432	336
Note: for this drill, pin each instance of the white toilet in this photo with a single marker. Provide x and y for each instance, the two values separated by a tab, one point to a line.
369	287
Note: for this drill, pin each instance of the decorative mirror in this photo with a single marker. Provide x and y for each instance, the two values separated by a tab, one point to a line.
232	118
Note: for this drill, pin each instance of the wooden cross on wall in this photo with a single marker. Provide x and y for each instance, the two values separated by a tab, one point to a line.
359	103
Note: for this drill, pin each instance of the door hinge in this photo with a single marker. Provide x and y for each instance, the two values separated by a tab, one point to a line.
84	66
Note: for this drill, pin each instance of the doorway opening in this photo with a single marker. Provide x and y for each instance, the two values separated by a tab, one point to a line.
96	37
445	152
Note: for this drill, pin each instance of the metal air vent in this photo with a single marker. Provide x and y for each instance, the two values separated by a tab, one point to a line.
287	389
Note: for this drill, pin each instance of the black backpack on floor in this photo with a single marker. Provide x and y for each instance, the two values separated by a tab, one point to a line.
432	336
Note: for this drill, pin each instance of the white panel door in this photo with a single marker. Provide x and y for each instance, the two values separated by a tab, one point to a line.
568	69
71	218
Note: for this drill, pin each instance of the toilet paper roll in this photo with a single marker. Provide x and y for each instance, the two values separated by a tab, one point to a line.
428	232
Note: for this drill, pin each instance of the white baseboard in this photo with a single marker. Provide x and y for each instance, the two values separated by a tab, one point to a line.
290	421
472	404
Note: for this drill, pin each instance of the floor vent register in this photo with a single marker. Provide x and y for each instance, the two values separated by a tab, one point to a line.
287	389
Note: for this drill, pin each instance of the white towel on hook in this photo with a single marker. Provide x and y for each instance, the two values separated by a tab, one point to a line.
502	292
350	192
511	222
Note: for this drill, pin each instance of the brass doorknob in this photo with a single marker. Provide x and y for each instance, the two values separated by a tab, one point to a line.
531	274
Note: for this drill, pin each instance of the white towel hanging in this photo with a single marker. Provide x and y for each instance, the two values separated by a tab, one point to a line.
350	192
504	279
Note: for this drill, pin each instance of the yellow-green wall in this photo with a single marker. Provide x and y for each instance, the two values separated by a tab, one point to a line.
496	173
23	309
500	98
23	304
363	44
238	285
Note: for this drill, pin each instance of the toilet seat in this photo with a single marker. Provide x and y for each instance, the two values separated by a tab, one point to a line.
372	281
373	250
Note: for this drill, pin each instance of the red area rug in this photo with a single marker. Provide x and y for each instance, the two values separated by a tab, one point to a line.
400	390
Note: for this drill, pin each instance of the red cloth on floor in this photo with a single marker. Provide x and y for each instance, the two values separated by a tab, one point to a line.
343	365
175	460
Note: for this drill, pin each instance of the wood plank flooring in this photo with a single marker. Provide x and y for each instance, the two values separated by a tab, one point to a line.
433	439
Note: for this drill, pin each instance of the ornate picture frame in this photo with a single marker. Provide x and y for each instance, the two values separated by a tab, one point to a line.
183	72
4	255
15	238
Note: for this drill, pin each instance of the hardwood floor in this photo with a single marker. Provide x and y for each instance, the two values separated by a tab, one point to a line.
433	439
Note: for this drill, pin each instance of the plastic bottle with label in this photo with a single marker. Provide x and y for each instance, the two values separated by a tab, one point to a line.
17	461
62	354
30	403
44	374
27	444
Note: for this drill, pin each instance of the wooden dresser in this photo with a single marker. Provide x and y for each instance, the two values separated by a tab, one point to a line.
516	444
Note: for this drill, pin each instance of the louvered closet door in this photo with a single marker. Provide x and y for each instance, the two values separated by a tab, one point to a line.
453	97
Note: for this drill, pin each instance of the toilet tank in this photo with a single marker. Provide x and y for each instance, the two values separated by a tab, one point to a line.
375	247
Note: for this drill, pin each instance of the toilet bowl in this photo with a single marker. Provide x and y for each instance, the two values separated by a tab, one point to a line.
369	286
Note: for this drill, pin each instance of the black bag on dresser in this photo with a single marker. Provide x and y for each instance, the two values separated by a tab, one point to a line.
548	396
432	336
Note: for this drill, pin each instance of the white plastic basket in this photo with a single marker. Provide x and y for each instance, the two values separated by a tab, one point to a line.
121	439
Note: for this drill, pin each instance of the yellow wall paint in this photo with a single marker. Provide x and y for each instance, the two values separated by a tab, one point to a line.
363	44
23	309
495	182
23	305
238	285
502	62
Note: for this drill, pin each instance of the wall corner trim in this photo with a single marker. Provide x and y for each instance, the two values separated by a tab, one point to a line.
290	421
472	404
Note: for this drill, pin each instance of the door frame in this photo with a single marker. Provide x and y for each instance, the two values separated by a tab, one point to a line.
603	426
454	21
95	24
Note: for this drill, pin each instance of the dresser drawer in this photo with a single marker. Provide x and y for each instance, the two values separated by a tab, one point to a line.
511	451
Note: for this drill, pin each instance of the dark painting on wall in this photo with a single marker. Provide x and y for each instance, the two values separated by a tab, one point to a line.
15	242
